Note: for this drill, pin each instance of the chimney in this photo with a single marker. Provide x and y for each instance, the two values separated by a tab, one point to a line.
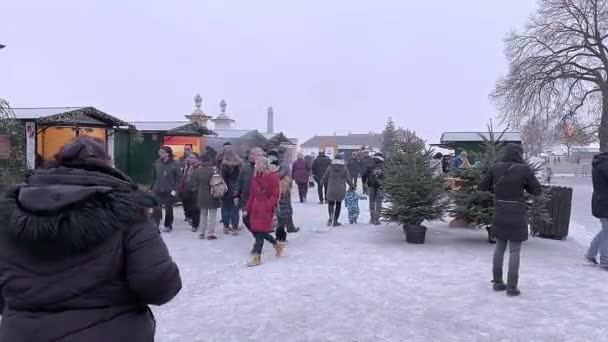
270	121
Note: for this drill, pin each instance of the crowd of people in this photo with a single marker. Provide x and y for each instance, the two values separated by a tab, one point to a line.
80	213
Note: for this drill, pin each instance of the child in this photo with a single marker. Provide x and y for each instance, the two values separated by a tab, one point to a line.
285	211
352	204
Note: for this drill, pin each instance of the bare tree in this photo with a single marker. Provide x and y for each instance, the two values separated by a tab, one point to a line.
538	136
571	135
558	67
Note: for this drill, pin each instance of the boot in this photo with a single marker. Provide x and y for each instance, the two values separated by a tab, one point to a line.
201	236
235	231
337	224
280	248
329	222
499	285
512	291
226	230
167	229
194	229
591	260
256	260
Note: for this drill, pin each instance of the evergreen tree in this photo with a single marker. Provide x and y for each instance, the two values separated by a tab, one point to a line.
414	194
13	166
389	137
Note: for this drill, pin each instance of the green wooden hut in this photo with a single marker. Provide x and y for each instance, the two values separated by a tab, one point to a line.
472	141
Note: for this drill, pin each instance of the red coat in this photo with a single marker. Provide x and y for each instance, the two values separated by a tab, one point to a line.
263	198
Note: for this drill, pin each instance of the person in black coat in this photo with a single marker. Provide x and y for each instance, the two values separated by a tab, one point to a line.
508	179
319	166
599	208
80	259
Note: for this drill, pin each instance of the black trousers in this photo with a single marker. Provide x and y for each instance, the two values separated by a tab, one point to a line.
334	208
322	191
303	191
166	201
189	204
364	181
259	242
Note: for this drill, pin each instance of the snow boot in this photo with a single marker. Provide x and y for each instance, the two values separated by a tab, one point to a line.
167	229
337	224
194	229
226	230
235	231
329	222
512	291
256	260
280	248
499	285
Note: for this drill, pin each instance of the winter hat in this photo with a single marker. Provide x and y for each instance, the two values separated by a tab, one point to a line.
82	149
227	143
379	156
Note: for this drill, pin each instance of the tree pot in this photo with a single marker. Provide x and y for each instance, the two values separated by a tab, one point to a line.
414	234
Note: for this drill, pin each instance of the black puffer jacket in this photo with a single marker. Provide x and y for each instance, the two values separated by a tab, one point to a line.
508	179
599	202
319	166
79	259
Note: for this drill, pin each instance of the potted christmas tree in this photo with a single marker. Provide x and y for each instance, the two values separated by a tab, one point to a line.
413	193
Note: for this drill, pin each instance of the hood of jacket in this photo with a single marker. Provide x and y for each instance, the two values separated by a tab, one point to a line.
65	210
599	159
513	153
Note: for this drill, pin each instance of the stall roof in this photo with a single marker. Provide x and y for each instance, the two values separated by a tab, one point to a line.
368	139
157	126
191	128
68	115
278	137
449	137
233	133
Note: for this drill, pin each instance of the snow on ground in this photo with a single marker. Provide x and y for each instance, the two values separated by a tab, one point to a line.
364	283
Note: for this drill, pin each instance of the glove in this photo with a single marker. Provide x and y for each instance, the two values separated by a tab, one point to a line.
245	214
236	201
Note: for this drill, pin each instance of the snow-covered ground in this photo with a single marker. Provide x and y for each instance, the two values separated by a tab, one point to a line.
364	283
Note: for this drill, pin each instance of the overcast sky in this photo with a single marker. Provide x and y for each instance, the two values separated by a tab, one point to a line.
324	65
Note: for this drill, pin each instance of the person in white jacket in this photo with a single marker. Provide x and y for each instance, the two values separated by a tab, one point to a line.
436	164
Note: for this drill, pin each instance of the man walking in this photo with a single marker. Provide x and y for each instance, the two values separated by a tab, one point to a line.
365	164
165	178
319	166
374	176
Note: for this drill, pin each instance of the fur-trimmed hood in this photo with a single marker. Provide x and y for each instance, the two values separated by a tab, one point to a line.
65	210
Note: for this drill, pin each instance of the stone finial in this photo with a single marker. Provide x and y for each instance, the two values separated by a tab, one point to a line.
198	101
223	106
270	110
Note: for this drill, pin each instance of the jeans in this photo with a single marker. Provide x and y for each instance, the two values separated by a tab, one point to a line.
322	191
259	242
334	208
230	212
376	197
499	255
166	201
303	191
600	244
208	218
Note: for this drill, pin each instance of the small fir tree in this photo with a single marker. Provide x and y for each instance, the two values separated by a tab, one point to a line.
389	137
414	194
13	169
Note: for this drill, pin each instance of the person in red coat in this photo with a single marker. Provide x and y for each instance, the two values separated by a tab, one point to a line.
260	209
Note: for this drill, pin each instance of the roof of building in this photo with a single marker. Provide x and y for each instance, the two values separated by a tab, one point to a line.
233	133
191	128
157	126
450	137
368	139
278	137
68	115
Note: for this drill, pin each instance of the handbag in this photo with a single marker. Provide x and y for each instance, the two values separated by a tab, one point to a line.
311	182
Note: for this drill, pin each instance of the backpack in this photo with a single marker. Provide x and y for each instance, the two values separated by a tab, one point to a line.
376	176
217	185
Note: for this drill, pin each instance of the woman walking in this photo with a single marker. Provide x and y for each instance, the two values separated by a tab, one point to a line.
300	172
260	209
165	179
207	204
508	179
336	177
80	258
600	210
230	169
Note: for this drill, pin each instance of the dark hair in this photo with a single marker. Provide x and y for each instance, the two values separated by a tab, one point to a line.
227	143
513	153
82	150
169	151
438	155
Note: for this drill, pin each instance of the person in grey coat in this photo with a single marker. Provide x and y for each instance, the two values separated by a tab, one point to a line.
165	180
336	177
508	179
